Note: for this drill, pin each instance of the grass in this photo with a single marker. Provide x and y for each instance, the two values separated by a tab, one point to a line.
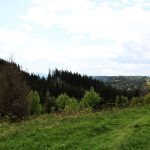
127	129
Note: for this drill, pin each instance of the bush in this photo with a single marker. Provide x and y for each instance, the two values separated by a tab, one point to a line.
90	99
121	101
62	101
124	101
13	93
72	105
35	106
147	99
67	104
137	101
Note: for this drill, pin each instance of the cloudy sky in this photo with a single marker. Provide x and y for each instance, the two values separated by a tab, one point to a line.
93	37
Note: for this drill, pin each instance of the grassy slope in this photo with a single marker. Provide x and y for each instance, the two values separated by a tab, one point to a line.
127	129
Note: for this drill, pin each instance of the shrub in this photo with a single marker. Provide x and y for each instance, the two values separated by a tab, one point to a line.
72	105
62	101
147	99
137	101
124	101
35	106
90	99
67	104
121	101
13	93
133	101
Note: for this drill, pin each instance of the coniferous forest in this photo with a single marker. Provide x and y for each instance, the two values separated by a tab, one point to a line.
23	94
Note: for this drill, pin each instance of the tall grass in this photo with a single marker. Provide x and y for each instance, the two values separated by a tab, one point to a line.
127	129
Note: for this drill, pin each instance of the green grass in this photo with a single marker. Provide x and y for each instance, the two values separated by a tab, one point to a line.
127	129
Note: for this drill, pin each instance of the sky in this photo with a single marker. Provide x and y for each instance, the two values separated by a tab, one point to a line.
93	37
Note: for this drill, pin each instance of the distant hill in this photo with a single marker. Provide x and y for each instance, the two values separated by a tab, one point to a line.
41	75
124	82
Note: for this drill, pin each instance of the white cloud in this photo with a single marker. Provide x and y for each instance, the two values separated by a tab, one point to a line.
125	22
12	37
27	27
26	50
82	17
77	38
38	54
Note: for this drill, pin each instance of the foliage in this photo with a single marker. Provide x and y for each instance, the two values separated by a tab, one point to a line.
72	105
49	103
35	106
13	93
147	98
15	103
62	101
67	104
121	101
124	101
73	84
117	101
137	101
90	99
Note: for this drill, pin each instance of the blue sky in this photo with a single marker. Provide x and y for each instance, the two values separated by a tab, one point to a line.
93	37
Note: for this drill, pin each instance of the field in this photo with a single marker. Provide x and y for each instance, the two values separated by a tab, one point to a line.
127	129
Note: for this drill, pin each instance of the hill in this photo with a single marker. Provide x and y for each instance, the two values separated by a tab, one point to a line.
116	129
124	82
63	81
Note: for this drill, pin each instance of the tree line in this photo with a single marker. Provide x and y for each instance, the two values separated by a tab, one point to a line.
22	93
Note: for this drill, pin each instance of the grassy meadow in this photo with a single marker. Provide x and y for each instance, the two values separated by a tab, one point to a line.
126	129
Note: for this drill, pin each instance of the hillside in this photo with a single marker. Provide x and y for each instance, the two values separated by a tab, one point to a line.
62	81
119	129
124	82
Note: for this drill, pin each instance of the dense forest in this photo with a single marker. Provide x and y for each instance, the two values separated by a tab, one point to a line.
74	84
28	93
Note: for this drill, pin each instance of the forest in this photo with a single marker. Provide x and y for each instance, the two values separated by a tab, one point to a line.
23	94
125	82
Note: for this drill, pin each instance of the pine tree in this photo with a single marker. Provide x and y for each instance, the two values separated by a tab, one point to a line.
13	92
48	103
